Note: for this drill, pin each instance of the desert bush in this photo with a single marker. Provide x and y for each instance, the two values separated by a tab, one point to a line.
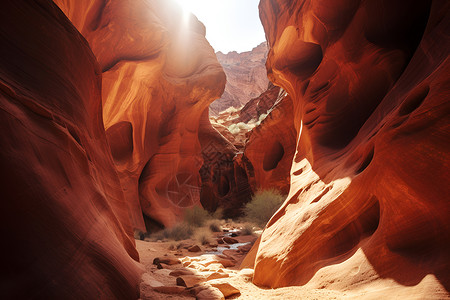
178	232
263	205
139	235
247	229
203	235
214	225
195	216
156	236
218	214
181	231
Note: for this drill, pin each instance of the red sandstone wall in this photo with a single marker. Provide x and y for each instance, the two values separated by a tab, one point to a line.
64	221
159	76
369	81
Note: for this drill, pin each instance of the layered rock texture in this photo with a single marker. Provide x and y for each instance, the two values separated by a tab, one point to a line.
159	77
369	83
246	77
64	220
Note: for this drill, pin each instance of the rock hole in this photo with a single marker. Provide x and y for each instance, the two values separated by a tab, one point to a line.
348	238
321	195
273	156
298	172
366	162
120	139
414	100
398	123
223	186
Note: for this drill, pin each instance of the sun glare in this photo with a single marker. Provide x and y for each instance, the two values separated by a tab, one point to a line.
231	25
189	5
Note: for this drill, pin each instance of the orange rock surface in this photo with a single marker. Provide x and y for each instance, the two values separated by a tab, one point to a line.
64	221
270	148
159	76
368	203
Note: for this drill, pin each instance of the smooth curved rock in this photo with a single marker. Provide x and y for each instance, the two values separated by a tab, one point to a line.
64	220
159	76
369	81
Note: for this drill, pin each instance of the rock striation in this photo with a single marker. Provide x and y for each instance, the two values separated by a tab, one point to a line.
369	83
246	77
159	76
64	219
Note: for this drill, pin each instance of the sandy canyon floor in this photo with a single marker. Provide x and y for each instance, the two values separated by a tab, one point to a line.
183	274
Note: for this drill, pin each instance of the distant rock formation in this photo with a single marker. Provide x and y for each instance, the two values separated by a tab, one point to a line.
369	83
264	122
246	77
64	221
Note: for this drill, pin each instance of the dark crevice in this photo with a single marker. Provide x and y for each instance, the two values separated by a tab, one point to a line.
414	100
273	156
366	162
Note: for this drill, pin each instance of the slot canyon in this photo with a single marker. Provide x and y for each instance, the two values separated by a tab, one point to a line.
118	117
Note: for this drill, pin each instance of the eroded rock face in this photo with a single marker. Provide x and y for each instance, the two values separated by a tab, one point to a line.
369	84
246	77
64	220
270	148
159	76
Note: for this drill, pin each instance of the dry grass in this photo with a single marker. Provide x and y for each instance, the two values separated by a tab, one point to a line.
263	206
196	216
247	229
203	235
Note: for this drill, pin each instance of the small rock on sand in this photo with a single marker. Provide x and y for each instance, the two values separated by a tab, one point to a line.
230	240
210	293
181	272
168	260
170	289
226	288
217	275
195	248
190	280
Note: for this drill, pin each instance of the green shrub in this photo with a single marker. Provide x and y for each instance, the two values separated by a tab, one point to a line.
263	205
195	216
